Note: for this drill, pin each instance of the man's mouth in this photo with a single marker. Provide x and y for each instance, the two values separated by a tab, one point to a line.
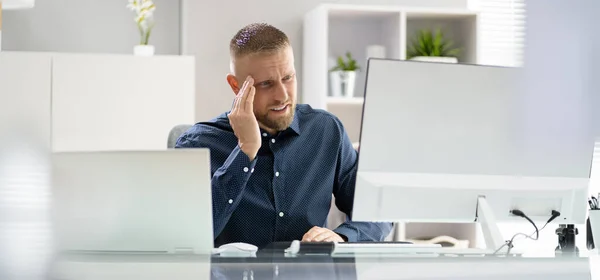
283	107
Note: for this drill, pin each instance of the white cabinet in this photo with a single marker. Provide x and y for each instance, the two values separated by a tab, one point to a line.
331	30
25	96
114	102
94	102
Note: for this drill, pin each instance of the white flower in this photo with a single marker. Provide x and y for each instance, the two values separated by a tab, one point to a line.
143	8
144	11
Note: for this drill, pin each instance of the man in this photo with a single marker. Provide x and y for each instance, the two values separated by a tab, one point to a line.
274	163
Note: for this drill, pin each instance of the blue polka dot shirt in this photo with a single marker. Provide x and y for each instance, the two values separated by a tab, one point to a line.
286	189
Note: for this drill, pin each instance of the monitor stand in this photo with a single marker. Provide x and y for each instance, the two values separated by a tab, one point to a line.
495	244
484	216
489	226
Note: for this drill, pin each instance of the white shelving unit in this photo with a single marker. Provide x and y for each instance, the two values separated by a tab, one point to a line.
331	30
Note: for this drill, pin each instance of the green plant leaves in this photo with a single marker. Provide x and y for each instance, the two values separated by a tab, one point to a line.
429	44
346	65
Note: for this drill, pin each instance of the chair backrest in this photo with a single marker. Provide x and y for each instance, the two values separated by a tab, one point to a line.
174	134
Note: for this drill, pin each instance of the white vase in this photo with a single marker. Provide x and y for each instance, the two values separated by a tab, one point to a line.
342	83
440	59
143	50
375	51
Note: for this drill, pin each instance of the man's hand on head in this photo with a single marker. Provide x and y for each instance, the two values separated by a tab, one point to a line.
242	120
319	234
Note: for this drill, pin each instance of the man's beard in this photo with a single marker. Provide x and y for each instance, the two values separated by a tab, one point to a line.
279	124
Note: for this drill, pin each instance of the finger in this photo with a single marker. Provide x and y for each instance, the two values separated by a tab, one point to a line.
239	95
332	239
323	236
310	235
244	97
249	104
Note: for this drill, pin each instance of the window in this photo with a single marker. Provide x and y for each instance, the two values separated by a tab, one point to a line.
502	34
595	176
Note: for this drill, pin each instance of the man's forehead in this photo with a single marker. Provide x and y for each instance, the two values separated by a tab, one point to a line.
265	65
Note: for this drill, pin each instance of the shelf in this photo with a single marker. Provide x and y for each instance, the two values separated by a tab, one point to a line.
360	14
330	30
461	29
439	14
356	34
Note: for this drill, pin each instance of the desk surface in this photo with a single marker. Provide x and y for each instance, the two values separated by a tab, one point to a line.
131	267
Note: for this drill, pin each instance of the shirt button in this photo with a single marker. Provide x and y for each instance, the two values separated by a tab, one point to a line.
245	169
272	140
264	134
230	201
280	214
252	171
276	174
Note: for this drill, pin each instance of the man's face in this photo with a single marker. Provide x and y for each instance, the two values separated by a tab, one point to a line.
275	82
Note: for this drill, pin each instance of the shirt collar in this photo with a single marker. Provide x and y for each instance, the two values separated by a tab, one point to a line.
295	126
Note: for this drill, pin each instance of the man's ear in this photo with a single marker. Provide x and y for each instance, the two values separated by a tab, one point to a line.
232	81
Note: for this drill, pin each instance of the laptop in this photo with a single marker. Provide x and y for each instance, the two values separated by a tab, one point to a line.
133	201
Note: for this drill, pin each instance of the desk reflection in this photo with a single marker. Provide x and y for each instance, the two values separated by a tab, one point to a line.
144	266
313	267
147	267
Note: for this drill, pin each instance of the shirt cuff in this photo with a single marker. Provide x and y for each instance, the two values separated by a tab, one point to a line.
237	171
347	231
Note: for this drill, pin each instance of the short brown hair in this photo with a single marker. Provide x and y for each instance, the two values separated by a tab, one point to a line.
257	38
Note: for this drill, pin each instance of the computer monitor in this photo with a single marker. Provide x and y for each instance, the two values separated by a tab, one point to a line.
133	201
463	143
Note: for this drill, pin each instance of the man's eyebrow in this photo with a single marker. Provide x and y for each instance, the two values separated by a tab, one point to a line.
262	81
270	78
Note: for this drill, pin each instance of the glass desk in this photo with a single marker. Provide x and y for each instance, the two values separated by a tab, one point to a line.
278	266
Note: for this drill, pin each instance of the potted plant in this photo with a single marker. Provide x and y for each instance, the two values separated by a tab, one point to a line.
433	48
144	11
343	76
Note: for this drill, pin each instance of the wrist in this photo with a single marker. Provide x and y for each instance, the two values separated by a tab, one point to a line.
250	152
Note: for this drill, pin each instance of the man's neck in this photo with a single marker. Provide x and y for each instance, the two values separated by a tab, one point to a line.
268	130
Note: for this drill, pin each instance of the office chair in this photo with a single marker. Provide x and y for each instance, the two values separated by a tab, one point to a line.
174	134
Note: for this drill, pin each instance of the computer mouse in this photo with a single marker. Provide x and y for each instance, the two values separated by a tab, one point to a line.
238	248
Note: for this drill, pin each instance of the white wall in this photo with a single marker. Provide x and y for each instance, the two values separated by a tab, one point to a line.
208	28
100	26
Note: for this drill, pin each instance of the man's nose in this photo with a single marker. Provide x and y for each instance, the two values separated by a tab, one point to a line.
281	93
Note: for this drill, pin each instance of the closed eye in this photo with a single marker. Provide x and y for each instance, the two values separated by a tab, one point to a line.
265	84
288	77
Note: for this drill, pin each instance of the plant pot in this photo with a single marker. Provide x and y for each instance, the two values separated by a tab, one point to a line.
342	83
143	50
439	59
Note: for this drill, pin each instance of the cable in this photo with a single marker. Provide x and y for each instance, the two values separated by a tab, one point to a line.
520	213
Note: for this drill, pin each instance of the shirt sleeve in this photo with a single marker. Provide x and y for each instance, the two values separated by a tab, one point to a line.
228	182
344	190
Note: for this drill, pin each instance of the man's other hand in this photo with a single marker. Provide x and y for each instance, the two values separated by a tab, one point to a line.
319	234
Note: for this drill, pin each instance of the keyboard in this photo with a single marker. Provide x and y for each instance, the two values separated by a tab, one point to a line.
304	248
397	247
